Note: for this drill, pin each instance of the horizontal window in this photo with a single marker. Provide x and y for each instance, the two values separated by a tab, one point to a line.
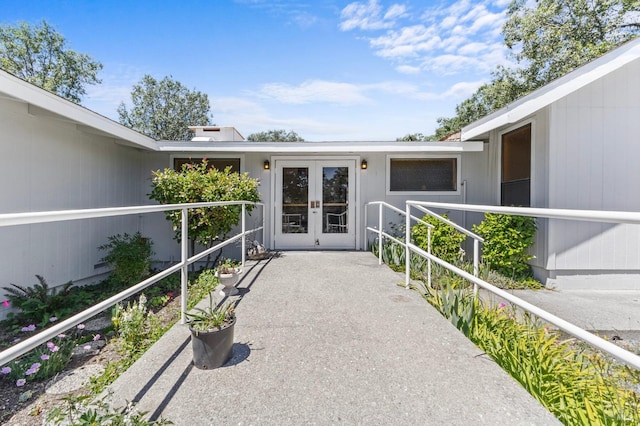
216	163
423	174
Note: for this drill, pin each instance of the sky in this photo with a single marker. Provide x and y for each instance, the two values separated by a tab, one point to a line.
328	70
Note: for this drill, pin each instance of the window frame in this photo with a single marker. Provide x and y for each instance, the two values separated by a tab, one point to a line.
456	157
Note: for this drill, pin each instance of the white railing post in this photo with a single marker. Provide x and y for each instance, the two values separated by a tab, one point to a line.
429	259
407	241
476	262
380	212
244	237
184	274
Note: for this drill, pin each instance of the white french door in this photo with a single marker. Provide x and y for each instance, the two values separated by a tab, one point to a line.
315	204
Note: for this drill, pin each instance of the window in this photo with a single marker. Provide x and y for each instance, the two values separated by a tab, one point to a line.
515	185
217	163
423	174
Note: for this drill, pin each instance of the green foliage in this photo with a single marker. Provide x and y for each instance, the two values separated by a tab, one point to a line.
547	39
137	328
84	411
577	386
39	302
506	241
41	363
198	183
164	109
130	256
445	240
275	136
211	318
414	137
38	54
202	286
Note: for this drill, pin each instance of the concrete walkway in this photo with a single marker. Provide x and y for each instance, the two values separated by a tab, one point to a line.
326	338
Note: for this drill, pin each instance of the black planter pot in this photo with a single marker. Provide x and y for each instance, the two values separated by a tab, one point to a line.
212	349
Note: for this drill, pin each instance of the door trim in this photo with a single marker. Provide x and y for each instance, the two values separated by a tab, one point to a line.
357	210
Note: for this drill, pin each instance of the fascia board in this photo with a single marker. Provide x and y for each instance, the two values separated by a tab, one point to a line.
321	147
33	95
554	91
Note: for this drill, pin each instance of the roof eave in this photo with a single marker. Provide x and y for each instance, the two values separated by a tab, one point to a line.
322	147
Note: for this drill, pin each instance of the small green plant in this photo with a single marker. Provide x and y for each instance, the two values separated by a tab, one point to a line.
201	286
211	318
39	302
507	240
137	328
41	363
83	411
445	240
130	256
227	266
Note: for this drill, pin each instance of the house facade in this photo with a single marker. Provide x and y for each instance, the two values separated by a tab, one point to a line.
574	144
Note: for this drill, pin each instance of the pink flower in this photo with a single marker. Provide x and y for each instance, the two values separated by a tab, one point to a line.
53	319
501	305
62	336
87	347
44	357
96	337
20	382
33	369
80	327
30	327
54	349
5	370
170	294
5	303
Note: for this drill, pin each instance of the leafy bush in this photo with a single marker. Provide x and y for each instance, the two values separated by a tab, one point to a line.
507	239
445	240
577	385
200	183
137	329
39	302
130	256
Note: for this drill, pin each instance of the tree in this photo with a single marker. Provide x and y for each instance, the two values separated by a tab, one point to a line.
197	183
164	109
38	54
275	136
547	42
412	137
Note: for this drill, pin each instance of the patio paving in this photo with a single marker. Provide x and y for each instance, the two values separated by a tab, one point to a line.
325	338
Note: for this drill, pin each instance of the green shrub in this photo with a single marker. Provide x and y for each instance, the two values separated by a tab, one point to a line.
137	328
39	302
130	256
507	239
577	385
445	240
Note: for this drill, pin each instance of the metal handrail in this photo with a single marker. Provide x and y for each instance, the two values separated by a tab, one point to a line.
476	240
381	233
585	215
13	219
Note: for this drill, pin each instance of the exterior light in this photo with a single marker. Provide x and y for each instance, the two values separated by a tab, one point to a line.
266	165
363	165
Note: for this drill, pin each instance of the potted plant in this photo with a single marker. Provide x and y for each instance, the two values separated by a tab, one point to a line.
228	273
212	335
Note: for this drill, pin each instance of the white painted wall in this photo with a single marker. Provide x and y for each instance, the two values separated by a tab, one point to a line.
594	165
51	165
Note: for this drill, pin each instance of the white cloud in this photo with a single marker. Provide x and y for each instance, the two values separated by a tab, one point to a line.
314	91
462	90
369	16
454	38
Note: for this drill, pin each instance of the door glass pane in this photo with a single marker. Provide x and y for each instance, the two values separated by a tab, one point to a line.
295	199
335	196
516	167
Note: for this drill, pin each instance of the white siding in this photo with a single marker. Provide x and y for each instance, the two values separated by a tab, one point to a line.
51	165
594	165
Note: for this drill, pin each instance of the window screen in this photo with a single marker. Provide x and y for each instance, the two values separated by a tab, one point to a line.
516	168
423	174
